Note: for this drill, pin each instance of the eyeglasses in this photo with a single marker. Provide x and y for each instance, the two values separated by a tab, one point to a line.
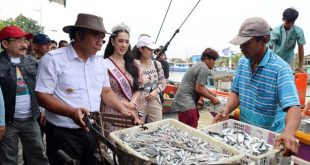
19	40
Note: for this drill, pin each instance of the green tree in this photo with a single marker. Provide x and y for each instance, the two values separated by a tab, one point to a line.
2	24
235	59
27	24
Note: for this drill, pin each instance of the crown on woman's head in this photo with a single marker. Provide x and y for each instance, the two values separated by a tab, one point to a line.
121	26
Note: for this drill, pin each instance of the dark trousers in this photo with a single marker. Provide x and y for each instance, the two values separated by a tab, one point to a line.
77	143
42	129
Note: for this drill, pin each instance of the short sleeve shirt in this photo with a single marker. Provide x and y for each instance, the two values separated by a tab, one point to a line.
284	42
72	81
265	93
186	94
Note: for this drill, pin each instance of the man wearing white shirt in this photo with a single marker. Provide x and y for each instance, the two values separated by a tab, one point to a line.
72	81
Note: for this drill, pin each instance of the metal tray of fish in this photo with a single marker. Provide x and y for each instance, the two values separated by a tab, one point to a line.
171	142
254	142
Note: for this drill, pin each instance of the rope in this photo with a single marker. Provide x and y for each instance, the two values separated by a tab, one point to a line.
163	21
178	30
189	14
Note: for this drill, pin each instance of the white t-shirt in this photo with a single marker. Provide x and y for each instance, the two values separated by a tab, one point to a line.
23	97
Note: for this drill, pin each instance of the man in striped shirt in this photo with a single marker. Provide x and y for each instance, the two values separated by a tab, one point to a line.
264	86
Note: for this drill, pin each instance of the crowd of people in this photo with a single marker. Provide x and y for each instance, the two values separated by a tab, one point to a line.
48	89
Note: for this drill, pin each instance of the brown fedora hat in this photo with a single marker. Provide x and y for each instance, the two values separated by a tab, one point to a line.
87	21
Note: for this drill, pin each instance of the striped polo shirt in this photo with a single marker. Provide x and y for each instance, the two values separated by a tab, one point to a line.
265	93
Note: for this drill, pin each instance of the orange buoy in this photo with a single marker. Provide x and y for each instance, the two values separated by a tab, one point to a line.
301	86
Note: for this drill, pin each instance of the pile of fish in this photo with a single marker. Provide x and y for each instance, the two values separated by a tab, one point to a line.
215	108
242	141
167	145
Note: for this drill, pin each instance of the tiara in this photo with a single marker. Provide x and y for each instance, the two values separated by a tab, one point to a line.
121	26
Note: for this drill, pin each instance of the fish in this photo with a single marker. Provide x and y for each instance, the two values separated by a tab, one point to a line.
242	141
168	144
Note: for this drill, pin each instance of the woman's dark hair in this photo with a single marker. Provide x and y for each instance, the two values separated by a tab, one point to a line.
130	66
136	52
209	54
290	14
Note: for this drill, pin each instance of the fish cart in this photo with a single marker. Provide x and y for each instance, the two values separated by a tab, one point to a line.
237	134
180	143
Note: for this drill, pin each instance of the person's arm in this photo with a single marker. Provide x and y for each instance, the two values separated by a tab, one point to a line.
232	103
292	121
204	92
110	99
301	57
2	115
54	105
161	82
161	78
135	96
132	105
307	107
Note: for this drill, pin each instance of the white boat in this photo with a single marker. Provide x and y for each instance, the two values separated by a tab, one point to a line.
179	67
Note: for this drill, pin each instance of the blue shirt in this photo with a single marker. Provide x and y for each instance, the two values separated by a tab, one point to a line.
265	93
284	42
2	112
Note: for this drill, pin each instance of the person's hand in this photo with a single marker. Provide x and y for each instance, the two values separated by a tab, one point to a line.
221	116
291	144
131	105
77	117
2	131
42	119
300	69
215	101
151	96
135	118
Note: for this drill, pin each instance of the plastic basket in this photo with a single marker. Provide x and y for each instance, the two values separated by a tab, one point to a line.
268	158
236	156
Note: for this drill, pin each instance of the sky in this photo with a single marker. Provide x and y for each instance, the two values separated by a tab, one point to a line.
212	24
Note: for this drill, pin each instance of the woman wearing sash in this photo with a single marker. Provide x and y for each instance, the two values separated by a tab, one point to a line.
153	78
123	72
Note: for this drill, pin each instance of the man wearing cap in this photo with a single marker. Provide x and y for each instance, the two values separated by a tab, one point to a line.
264	86
71	81
17	80
41	45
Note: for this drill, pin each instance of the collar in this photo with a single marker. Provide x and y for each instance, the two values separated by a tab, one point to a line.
71	52
266	58
283	28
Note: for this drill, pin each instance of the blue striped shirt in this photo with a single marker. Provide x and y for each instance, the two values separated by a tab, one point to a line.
265	93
